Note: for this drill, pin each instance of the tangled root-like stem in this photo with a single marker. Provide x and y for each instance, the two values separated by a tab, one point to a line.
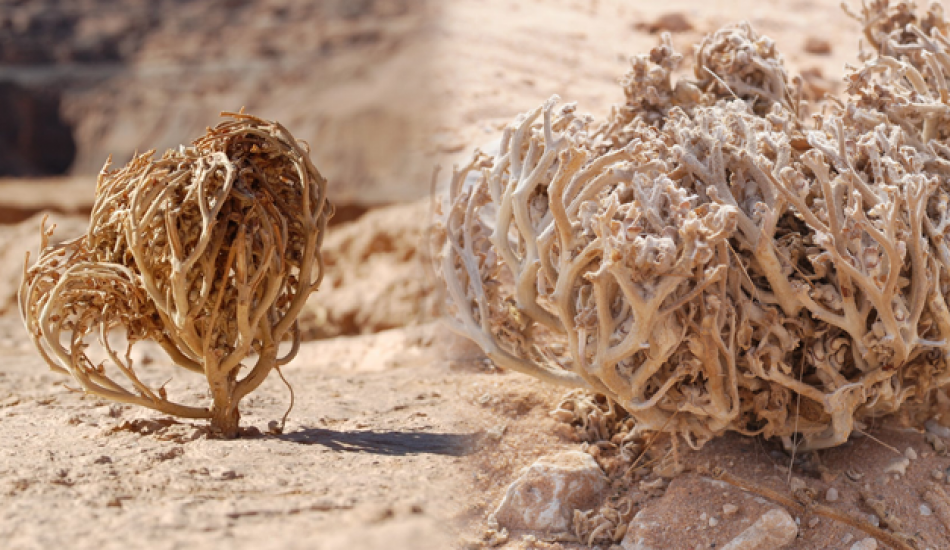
211	251
709	259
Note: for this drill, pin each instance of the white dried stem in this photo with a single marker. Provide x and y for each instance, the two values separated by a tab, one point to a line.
707	261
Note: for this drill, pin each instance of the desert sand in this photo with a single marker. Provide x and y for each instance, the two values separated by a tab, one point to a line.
402	434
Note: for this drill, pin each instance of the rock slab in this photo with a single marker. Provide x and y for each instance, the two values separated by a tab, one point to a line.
546	494
776	529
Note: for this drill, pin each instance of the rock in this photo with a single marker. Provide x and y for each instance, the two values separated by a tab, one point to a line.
375	275
938	444
729	510
797	484
865	544
910	453
546	494
937	429
817	46
925	510
776	529
898	466
831	495
670	22
634	539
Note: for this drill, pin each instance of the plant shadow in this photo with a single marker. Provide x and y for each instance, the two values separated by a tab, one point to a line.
386	443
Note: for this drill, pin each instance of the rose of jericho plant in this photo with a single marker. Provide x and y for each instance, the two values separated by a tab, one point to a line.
711	260
211	251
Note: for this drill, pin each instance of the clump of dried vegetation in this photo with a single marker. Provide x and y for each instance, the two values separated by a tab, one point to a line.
711	257
211	251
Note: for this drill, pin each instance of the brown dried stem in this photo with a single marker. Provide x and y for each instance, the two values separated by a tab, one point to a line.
210	251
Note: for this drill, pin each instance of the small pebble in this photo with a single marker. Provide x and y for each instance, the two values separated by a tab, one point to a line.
670	22
729	510
865	544
831	495
925	510
910	453
938	444
937	475
817	46
703	517
937	429
846	538
874	520
898	466
813	522
713	522
829	477
797	485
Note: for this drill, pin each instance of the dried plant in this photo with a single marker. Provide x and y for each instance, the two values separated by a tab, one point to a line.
709	259
210	251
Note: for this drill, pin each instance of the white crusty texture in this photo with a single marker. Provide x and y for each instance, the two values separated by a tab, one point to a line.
546	494
710	258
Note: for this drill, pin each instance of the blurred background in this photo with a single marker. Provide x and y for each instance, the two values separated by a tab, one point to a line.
81	80
84	79
382	90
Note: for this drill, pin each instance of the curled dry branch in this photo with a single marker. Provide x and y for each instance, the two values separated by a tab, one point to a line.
211	251
710	261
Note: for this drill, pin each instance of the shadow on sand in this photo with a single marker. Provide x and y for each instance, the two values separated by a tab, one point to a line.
387	443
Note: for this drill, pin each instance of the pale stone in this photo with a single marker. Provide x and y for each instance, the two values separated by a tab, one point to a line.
797	485
910	453
729	510
898	466
634	539
865	544
937	429
774	530
546	494
831	495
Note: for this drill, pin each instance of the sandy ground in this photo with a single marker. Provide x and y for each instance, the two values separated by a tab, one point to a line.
373	460
402	435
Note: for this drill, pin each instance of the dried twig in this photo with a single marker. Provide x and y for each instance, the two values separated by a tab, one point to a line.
210	250
802	503
707	252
